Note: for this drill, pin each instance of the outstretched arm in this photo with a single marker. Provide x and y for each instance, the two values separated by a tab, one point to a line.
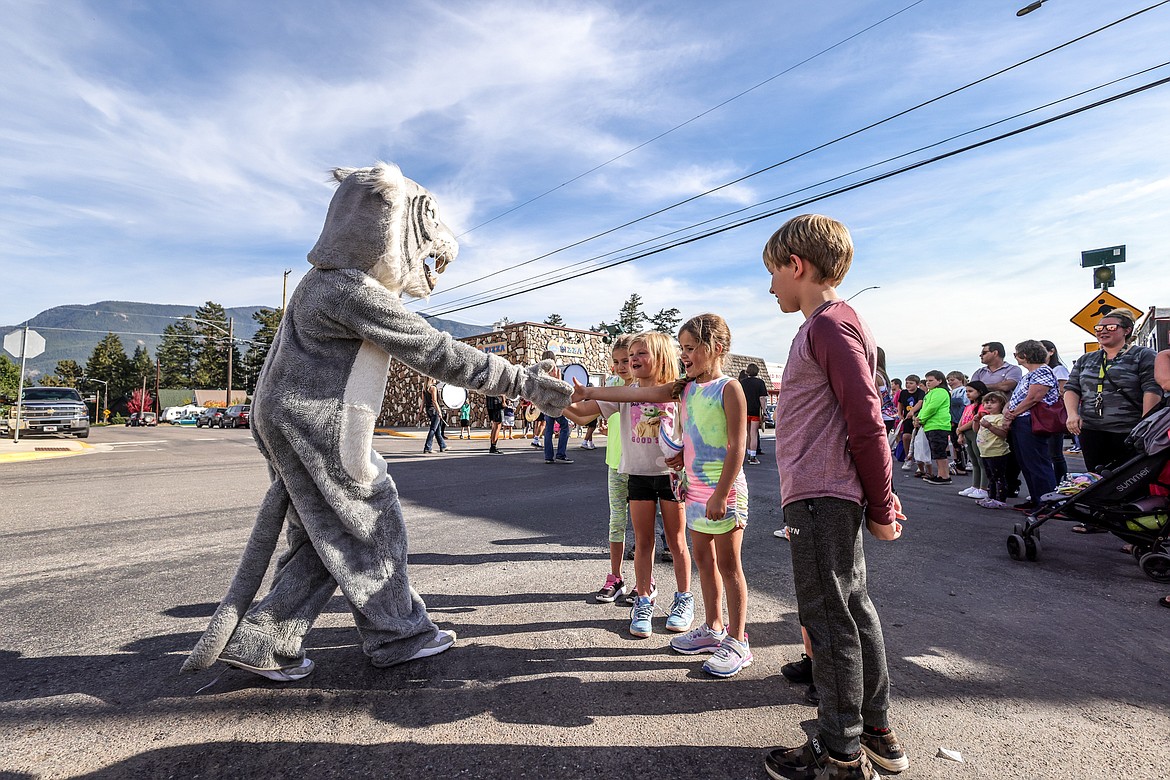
658	394
583	412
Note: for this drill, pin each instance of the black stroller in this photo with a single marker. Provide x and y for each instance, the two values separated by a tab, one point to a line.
1120	503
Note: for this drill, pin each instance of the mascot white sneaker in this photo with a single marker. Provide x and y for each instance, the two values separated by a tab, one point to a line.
313	415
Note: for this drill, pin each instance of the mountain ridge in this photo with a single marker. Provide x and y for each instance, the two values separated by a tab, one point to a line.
71	331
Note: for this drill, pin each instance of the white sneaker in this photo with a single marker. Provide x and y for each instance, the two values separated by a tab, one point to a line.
285	674
781	533
977	493
443	640
907	466
966	491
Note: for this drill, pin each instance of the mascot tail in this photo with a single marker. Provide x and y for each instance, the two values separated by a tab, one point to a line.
246	584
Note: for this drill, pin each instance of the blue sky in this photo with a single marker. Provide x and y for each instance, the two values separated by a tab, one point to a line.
178	152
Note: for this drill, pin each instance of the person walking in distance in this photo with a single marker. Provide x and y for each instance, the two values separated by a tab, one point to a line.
756	393
430	402
495	412
552	423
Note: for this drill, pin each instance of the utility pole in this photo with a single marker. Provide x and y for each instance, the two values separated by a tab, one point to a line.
142	403
284	294
230	347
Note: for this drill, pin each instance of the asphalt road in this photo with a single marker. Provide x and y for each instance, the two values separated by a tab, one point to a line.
111	562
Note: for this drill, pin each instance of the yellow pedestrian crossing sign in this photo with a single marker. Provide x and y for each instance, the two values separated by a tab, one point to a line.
1102	303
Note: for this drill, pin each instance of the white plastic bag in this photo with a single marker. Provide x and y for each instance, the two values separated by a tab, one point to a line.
921	447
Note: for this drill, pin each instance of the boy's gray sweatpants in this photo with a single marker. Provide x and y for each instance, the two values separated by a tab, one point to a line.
849	653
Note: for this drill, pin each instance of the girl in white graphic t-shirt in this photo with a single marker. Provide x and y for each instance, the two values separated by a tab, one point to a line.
653	362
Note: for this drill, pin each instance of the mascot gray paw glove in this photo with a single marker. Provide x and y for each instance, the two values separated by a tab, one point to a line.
548	394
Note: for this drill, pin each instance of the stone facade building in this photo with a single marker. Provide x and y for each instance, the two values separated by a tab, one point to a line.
521	343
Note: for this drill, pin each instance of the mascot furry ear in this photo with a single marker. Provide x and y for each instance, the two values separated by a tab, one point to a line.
313	414
386	225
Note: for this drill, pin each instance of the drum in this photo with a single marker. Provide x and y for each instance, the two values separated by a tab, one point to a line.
453	397
575	371
531	414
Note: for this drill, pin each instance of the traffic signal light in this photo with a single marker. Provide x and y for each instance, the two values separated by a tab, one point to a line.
1103	277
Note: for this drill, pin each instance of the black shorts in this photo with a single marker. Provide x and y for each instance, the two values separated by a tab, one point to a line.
655	488
938	443
496	415
464	423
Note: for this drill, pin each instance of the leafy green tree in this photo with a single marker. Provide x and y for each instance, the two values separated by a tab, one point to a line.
68	374
108	362
665	321
253	360
554	319
211	362
9	377
630	318
177	354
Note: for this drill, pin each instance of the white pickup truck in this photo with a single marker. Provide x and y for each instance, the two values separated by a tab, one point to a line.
49	410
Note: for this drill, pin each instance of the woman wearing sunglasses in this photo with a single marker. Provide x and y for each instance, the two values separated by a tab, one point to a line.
1109	391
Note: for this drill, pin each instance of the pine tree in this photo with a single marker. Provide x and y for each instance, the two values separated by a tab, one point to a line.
177	353
257	353
109	363
665	321
141	367
211	362
554	319
631	317
68	374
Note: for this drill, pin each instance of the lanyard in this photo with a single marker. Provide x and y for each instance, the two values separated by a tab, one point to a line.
1105	367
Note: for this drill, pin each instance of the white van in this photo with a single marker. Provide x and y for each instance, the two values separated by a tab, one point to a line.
172	413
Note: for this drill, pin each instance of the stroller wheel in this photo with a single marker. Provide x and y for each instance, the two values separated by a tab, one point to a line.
1015	545
1031	548
1156	566
1139	552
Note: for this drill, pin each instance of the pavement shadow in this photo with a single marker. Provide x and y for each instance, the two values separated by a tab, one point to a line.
328	760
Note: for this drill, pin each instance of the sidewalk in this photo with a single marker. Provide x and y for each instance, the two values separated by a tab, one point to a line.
39	448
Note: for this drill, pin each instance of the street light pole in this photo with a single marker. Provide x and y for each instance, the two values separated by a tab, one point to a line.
284	294
859	292
105	389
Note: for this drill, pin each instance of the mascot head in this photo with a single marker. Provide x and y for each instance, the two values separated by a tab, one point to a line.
383	223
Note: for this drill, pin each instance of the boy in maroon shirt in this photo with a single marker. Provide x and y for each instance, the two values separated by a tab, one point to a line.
835	475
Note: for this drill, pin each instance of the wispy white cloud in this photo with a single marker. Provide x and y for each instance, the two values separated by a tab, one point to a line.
156	152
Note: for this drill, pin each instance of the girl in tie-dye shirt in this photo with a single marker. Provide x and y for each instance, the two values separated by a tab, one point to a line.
713	432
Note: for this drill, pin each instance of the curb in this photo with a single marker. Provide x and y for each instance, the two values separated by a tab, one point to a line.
23	457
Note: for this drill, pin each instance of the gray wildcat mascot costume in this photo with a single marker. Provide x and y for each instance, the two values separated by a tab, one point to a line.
316	401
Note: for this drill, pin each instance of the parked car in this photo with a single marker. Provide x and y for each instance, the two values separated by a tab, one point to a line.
212	417
236	416
187	419
770	416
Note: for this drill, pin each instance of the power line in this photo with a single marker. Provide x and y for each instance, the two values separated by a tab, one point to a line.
807	152
698	116
826	195
593	259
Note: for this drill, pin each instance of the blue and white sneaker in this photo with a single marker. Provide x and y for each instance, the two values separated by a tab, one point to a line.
682	613
729	659
640	615
699	640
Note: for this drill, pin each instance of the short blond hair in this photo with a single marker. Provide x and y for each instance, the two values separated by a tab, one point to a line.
664	353
822	242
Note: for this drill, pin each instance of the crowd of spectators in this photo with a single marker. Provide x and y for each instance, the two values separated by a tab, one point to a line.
1010	424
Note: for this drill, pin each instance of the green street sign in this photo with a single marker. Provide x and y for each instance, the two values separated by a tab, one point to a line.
1110	254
